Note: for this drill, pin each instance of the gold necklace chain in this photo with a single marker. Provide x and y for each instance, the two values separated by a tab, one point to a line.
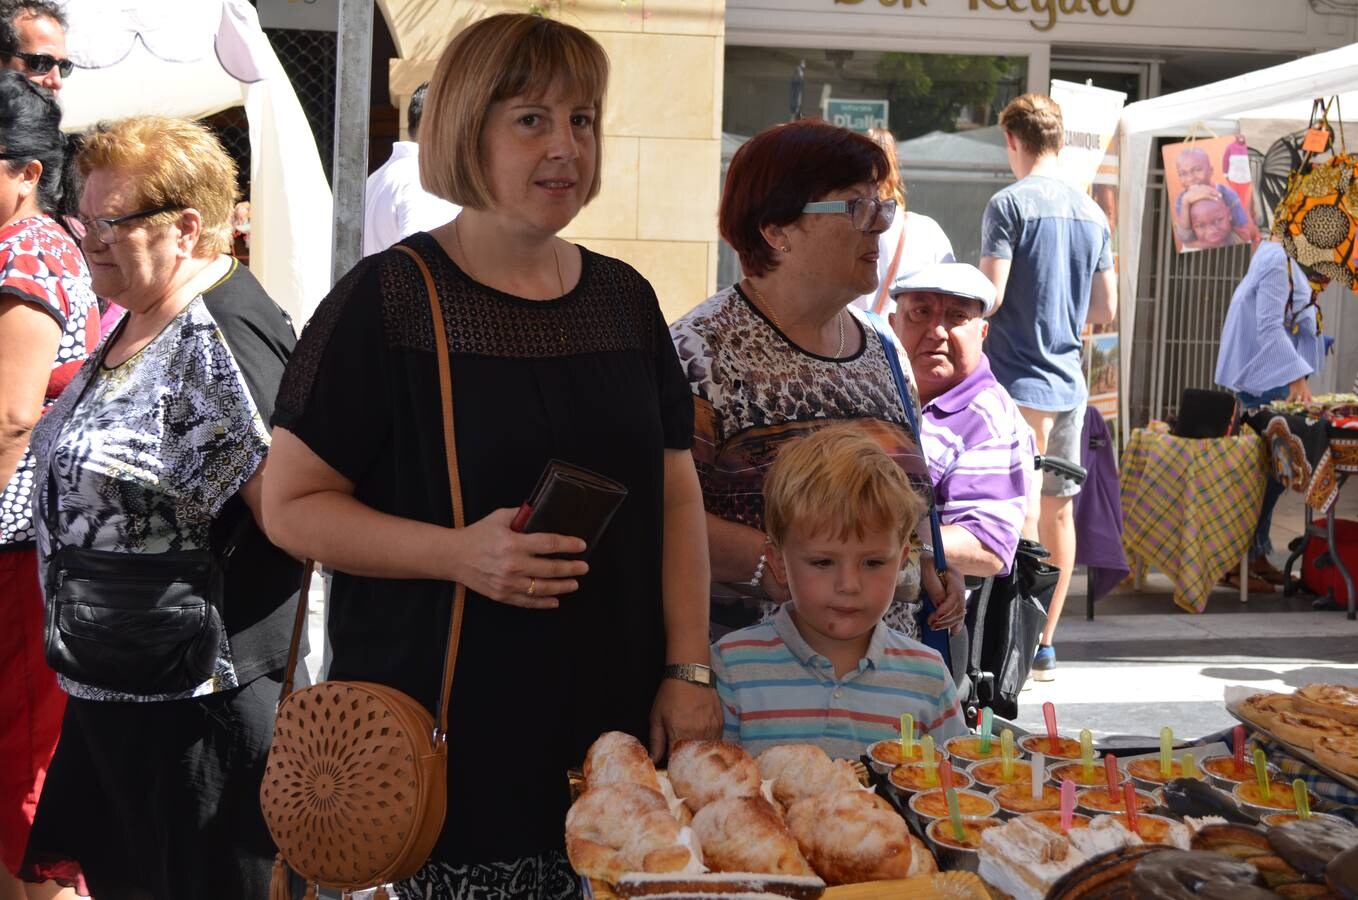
561	281
768	308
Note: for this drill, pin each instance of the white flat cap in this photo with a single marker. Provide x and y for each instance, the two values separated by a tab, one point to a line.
958	279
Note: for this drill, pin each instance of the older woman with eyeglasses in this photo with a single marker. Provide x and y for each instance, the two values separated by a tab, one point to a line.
155	452
783	352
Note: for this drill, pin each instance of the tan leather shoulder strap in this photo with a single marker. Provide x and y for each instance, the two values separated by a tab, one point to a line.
454	489
454	482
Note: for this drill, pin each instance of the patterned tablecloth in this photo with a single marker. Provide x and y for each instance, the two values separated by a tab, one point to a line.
1308	455
1190	506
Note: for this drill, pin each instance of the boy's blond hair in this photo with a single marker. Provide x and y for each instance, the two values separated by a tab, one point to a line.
838	482
1035	120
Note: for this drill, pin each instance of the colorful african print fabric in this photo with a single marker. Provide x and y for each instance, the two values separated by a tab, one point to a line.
1318	220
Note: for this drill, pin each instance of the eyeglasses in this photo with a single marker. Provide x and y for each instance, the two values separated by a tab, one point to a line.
42	63
103	229
864	212
953	315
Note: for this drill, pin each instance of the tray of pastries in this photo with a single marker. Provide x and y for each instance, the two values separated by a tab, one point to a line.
791	823
1294	860
1318	724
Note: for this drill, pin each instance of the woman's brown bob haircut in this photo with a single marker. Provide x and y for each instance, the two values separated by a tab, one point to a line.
783	168
1035	121
504	56
174	162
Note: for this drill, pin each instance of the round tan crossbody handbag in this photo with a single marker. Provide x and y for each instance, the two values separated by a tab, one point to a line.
355	788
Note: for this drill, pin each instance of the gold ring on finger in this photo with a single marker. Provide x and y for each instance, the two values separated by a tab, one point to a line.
532	586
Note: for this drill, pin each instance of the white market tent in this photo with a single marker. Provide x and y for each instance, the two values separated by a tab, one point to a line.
194	58
1281	94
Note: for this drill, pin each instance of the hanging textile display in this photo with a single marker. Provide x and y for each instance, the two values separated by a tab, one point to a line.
1317	220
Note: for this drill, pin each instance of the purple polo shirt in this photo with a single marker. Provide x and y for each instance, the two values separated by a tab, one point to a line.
980	452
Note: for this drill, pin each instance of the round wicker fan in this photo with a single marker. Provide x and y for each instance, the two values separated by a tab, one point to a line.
1276	166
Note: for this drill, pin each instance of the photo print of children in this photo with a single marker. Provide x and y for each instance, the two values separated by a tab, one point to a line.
1208	210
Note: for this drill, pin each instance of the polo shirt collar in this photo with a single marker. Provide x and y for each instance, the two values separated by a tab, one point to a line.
402	149
787	631
959	397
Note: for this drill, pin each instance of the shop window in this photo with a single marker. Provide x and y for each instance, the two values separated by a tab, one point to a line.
942	109
924	92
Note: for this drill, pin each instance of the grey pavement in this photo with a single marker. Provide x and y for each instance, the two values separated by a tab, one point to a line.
1143	663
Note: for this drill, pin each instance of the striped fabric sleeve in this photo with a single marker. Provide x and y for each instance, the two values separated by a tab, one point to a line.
948	720
726	693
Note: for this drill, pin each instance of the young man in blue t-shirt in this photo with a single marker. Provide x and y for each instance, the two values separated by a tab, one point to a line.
1045	245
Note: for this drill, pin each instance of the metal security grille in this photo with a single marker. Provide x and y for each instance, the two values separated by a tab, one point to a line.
1179	320
309	58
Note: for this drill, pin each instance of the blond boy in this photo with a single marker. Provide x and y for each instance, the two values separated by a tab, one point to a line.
824	669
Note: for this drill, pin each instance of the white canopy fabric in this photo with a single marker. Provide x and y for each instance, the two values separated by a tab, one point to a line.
1279	93
194	58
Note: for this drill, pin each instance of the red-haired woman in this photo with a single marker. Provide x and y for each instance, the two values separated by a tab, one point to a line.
782	352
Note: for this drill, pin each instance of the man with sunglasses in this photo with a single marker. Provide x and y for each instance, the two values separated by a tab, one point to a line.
33	41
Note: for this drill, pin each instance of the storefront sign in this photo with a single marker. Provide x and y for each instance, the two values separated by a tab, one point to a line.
856	115
1089	160
1048	10
303	15
1045	13
1090	116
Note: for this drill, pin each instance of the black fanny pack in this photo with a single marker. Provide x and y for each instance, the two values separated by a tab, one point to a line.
141	623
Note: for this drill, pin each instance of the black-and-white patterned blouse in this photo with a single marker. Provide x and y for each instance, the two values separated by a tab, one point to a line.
143	456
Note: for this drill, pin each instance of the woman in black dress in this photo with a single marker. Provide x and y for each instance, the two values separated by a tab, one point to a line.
556	352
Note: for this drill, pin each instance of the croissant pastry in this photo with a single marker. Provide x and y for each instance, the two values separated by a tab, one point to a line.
616	757
707	771
746	834
619	828
851	836
799	771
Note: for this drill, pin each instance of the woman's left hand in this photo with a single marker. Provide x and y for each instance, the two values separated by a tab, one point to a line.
683	711
949	595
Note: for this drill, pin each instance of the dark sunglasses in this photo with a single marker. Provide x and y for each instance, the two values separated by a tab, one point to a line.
42	63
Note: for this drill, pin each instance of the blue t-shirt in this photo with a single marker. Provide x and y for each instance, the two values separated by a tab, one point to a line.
1056	238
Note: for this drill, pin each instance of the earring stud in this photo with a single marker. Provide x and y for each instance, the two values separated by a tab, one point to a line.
786	249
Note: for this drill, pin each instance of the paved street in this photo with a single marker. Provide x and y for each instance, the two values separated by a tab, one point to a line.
1143	664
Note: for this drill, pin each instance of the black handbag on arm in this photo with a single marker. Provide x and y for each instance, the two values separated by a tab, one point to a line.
1005	623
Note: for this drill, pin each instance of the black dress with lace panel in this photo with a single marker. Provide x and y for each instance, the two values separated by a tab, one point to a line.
590	378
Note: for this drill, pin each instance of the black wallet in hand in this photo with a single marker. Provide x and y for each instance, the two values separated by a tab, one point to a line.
573	501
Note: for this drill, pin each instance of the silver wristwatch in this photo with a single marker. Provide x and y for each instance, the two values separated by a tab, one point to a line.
693	673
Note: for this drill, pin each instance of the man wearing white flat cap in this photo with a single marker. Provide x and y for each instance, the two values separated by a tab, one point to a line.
979	449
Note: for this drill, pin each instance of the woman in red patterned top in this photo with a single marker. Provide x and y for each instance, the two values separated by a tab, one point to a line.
49	324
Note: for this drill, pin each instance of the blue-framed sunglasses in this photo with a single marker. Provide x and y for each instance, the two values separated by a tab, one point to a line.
863	212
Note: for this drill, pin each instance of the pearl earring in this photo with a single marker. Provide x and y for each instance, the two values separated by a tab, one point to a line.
785	249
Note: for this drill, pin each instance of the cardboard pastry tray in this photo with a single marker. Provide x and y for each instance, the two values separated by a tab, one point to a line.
1300	753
